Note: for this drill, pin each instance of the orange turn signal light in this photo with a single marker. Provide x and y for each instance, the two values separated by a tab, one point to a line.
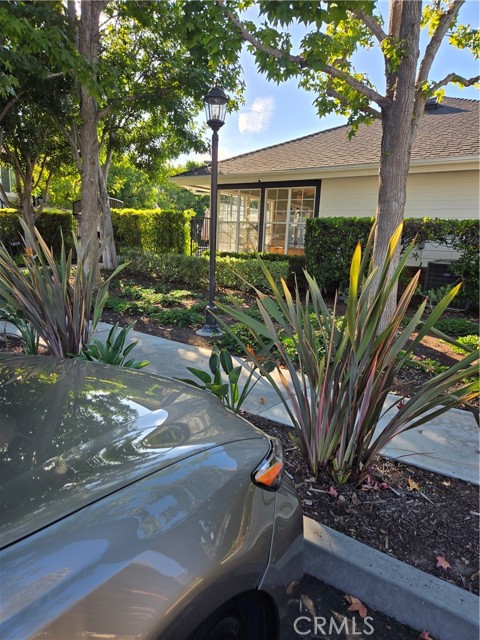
269	472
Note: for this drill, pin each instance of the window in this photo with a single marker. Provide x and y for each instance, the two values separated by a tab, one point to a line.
238	220
286	212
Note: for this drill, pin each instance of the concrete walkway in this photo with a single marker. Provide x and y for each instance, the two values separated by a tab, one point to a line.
449	444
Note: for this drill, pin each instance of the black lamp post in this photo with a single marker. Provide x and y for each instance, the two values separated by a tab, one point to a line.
215	108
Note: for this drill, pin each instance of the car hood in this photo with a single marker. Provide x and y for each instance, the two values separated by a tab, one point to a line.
73	432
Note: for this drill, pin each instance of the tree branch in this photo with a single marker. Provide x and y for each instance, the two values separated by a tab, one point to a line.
454	77
345	103
5	198
10	104
160	93
300	61
371	24
433	46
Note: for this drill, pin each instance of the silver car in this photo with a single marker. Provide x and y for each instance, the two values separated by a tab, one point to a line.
136	506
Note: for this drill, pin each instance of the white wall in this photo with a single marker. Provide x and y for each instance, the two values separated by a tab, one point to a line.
453	194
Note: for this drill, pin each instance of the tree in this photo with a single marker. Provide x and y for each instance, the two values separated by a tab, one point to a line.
142	95
34	50
324	62
33	146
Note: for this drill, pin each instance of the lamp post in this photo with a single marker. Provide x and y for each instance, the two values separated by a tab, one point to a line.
215	108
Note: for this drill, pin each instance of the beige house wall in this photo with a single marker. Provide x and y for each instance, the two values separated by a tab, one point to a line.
452	194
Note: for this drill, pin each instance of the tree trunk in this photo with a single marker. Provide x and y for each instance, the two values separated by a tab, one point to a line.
88	46
398	130
109	254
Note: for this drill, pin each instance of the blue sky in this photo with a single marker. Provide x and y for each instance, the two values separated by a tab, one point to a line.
277	113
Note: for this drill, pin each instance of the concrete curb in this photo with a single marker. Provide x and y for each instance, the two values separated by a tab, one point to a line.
408	595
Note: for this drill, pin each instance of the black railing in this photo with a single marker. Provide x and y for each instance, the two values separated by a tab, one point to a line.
199	235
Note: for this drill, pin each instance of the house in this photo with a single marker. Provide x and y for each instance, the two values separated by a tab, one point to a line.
266	196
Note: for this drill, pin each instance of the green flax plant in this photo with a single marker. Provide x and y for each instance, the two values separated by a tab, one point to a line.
59	300
335	396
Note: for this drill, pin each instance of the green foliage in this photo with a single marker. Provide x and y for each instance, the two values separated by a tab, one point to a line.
168	268
231	392
457	327
235	273
242	274
335	396
468	343
27	332
162	307
330	241
113	351
52	225
153	230
296	264
56	299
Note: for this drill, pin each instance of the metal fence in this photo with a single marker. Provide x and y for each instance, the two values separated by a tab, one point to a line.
199	235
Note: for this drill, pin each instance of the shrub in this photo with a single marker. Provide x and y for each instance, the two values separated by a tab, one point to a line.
53	297
152	230
231	393
329	242
52	225
457	327
192	271
336	396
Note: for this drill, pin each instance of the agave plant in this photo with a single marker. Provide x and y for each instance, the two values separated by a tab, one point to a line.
336	396
60	301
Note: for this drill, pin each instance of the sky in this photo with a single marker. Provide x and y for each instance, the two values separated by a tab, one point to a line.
276	113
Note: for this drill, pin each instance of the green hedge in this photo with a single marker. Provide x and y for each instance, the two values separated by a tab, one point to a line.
191	271
330	243
152	230
296	264
51	224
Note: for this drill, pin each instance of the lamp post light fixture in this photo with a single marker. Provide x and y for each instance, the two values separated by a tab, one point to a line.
215	108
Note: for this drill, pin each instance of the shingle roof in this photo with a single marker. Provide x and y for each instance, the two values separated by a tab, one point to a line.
449	130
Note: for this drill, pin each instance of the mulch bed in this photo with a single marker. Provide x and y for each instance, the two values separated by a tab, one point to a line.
392	515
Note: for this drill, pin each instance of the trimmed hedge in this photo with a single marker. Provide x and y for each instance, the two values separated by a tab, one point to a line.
296	264
330	243
152	230
192	271
51	224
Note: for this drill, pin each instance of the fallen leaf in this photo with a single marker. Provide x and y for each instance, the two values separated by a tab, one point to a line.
425	636
447	483
355	499
333	492
262	400
291	586
442	563
412	485
356	605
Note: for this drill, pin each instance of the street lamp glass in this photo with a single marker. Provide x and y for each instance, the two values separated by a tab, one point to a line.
215	107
